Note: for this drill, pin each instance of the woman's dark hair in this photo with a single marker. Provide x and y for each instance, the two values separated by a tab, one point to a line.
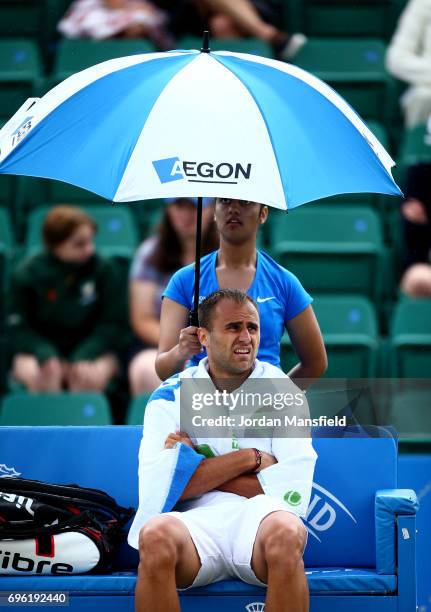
61	222
167	256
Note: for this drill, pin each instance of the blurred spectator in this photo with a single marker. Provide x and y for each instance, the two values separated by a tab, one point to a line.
416	212
234	19
99	19
65	318
156	260
409	59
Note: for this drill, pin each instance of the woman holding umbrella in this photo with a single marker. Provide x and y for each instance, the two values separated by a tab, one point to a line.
283	303
151	271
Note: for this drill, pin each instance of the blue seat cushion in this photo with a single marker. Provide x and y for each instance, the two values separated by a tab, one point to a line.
321	580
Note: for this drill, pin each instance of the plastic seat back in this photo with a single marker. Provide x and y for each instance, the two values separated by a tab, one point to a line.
55	409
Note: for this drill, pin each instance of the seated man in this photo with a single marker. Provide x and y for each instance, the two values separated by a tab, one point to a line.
240	507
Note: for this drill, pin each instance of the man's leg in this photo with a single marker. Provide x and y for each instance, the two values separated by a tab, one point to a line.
167	559
277	561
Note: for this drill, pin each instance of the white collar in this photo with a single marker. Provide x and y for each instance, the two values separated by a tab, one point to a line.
202	369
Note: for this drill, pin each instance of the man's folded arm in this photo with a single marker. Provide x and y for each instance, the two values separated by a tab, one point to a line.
218	472
246	485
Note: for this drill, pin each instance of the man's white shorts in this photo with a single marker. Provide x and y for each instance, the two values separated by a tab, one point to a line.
224	534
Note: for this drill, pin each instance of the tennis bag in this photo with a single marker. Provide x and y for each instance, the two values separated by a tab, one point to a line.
57	529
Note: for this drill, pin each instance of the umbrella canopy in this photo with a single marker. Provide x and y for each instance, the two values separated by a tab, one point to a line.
187	123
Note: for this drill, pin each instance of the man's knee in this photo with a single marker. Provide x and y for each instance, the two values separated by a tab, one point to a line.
158	544
283	542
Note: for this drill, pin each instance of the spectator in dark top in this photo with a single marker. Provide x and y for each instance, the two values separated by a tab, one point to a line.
234	19
156	260
416	212
66	322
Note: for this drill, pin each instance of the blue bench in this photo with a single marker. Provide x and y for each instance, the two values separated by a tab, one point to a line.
362	536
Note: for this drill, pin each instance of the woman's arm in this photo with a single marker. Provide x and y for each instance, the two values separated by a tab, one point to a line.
177	342
308	343
143	318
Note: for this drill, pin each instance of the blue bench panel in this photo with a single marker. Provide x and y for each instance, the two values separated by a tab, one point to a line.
320	580
232	603
348	473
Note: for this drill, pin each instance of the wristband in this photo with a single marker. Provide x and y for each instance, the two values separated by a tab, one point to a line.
258	455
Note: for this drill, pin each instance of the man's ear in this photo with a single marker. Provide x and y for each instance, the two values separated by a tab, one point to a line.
203	336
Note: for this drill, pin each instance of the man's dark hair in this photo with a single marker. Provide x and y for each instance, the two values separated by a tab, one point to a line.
206	307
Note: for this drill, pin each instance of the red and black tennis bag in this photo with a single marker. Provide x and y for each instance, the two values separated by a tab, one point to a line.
57	529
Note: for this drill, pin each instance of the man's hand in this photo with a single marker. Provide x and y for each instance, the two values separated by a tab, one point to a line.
178	436
267	460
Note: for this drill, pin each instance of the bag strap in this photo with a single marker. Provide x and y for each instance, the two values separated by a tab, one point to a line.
22	530
73	490
66	495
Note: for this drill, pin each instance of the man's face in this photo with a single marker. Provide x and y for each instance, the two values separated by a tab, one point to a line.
233	339
238	220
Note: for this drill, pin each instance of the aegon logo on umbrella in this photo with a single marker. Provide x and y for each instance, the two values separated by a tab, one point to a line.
173	169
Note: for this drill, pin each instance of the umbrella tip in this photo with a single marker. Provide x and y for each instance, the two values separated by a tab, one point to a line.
205	42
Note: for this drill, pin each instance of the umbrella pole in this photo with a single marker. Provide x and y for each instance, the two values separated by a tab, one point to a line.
193	318
205	42
194	312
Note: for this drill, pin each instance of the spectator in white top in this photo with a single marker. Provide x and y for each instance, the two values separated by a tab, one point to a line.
409	59
102	19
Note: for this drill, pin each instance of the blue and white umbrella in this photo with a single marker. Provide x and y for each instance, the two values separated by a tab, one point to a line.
187	123
190	123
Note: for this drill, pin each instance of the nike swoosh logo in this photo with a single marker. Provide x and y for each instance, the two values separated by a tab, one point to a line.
259	300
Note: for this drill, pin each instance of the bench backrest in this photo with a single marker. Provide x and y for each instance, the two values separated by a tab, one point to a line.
341	512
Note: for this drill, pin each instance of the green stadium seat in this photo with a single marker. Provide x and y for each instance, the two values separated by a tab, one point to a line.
415	148
411	339
57	192
8	187
7	244
53	12
355	69
23	18
349	328
116	235
292	15
7	247
331	397
147	212
7	241
347	18
380	132
136	410
55	409
254	46
331	249
75	55
411	413
20	74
